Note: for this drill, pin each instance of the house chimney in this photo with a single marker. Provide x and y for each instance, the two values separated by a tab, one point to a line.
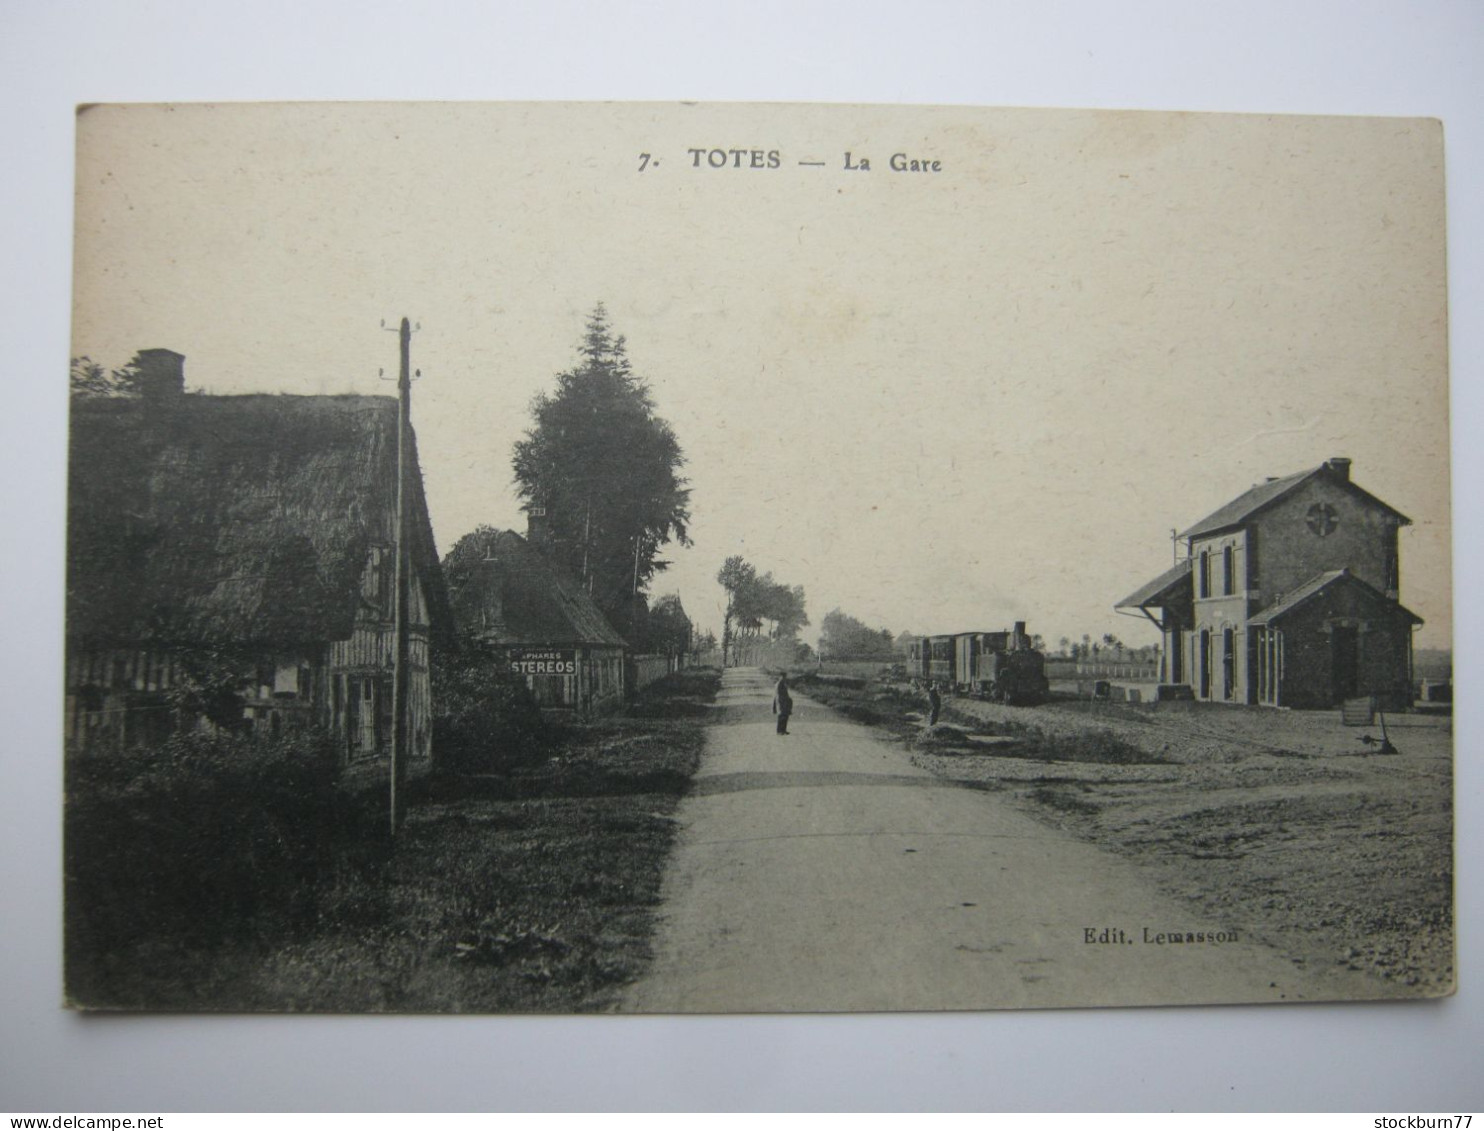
161	373
1340	466
538	531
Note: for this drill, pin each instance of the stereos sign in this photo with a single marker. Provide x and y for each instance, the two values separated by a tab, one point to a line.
543	661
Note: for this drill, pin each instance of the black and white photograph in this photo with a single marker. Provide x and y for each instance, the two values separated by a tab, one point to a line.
797	556
721	558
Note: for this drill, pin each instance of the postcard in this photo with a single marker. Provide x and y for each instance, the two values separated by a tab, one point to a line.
675	558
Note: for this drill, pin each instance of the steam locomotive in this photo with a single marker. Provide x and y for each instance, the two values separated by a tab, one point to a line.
992	665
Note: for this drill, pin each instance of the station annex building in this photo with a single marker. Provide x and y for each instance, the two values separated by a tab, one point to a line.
1288	597
547	629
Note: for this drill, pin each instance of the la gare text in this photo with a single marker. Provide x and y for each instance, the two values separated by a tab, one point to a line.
773	159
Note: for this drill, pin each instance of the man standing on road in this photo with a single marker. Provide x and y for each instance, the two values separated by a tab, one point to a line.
783	703
935	704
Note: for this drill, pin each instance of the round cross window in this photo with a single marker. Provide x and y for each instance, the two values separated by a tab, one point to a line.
1322	519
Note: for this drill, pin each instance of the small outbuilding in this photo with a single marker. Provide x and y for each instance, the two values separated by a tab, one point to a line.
1333	638
548	630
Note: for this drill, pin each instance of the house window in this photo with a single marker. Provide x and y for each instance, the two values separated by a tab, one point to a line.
1228	571
1205	573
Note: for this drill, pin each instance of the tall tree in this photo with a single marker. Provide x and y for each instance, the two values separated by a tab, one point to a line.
754	600
737	577
783	606
669	627
606	471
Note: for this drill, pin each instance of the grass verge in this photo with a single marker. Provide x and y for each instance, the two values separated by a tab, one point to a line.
899	711
532	890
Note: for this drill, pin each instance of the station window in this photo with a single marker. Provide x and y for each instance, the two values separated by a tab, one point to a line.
1228	664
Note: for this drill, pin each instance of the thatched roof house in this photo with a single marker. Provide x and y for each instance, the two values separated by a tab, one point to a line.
242	526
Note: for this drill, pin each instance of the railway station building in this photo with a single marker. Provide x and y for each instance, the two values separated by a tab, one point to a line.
1288	596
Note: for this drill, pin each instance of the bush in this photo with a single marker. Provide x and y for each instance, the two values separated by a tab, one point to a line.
485	720
205	838
687	693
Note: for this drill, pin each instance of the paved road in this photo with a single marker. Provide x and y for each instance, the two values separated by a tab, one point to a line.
822	871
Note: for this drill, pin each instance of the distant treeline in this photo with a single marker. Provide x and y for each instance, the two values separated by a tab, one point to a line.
843	637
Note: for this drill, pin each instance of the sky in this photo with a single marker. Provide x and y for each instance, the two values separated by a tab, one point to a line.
939	400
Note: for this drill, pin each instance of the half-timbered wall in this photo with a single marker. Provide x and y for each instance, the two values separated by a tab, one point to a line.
116	698
357	704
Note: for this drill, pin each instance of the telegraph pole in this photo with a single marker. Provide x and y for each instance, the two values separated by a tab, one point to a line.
400	753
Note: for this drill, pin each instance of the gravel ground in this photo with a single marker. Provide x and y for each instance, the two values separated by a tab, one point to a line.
1280	820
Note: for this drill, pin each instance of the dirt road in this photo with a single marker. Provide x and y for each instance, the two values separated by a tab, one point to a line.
822	871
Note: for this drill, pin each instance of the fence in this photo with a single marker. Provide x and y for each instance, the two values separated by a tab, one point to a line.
1146	671
864	669
644	670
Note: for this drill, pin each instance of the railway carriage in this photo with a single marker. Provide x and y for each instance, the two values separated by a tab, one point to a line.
917	660
992	665
941	668
969	648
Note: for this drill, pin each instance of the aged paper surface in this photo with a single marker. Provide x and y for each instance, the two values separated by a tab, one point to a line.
948	370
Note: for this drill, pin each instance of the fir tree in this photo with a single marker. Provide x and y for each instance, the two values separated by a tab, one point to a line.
606	471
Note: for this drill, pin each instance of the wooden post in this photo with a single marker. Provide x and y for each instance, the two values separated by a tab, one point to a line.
400	753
